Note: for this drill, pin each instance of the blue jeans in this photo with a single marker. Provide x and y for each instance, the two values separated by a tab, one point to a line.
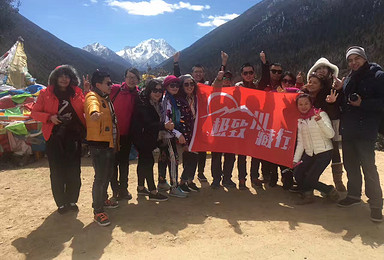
102	160
361	153
307	174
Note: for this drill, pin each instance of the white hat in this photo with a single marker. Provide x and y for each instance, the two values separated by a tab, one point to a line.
323	62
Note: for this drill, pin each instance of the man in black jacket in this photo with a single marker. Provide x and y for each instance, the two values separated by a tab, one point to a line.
362	110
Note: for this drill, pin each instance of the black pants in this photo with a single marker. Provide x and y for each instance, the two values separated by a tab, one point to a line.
359	154
269	171
307	174
102	160
242	166
255	165
64	164
121	165
218	170
202	157
190	161
145	169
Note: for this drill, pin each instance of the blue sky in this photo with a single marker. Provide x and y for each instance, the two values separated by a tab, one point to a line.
120	23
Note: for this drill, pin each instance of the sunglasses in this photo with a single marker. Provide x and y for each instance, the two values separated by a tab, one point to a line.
189	84
174	85
288	81
245	73
226	78
109	83
277	71
157	90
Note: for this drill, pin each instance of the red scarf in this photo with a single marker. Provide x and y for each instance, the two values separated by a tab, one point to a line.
310	113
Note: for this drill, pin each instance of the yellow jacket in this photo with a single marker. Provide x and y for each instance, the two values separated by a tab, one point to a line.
99	130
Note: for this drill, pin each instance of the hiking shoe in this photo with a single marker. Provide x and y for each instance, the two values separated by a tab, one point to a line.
177	192
201	177
124	195
101	219
111	204
307	198
295	189
157	197
333	195
72	206
348	202
163	186
143	192
257	183
242	185
215	184
62	209
376	215
272	184
184	188
192	186
228	183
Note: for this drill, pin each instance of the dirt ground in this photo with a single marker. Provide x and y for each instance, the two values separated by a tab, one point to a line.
212	224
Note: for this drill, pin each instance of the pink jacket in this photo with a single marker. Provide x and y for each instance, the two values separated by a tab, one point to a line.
124	104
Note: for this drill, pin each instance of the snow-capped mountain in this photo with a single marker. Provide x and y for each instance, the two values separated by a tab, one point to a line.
150	52
106	53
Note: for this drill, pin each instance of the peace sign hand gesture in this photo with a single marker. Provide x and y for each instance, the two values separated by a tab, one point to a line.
86	84
332	97
337	83
317	115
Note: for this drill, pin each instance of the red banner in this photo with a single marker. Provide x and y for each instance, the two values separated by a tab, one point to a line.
246	121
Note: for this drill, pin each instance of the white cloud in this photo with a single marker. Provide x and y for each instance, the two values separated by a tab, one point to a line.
154	7
86	5
94	1
215	21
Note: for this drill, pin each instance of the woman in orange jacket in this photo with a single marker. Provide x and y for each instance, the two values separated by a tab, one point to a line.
60	107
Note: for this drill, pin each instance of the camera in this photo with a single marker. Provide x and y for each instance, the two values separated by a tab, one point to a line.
353	97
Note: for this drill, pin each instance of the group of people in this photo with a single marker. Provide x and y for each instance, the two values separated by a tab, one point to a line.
112	117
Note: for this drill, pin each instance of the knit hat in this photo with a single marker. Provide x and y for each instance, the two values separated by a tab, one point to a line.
170	79
356	50
133	71
323	62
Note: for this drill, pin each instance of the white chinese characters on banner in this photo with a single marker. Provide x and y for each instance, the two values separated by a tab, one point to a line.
237	128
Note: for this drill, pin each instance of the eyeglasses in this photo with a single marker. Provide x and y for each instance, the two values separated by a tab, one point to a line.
276	71
189	84
174	85
157	90
245	73
288	81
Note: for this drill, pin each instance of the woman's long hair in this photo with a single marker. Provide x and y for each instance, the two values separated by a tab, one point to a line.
320	99
67	70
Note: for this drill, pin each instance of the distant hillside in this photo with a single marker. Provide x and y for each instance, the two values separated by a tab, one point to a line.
45	51
106	53
293	32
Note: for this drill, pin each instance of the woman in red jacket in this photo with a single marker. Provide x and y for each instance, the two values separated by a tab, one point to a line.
60	108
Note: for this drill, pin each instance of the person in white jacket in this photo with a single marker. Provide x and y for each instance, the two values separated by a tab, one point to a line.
313	151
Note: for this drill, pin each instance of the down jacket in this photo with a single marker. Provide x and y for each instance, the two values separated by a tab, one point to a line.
47	104
100	130
313	136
